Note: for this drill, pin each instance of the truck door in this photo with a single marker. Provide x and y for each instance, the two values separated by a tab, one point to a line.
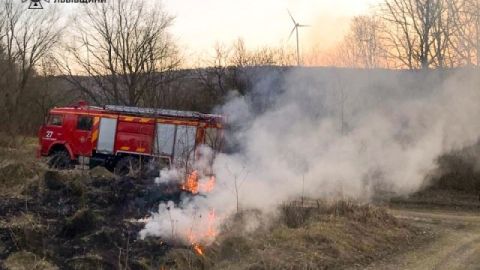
52	132
82	135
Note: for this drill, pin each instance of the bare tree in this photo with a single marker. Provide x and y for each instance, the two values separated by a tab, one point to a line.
265	56
50	89
241	56
231	67
124	49
362	47
442	33
473	11
464	41
213	77
411	30
26	37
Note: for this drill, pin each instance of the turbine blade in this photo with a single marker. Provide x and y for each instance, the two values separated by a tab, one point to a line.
294	22
304	25
291	33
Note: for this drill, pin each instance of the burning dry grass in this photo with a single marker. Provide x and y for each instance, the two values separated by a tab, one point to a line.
322	235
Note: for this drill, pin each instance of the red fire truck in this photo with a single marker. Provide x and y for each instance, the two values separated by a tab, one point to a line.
121	138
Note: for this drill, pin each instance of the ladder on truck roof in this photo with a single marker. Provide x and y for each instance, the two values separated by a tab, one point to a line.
159	112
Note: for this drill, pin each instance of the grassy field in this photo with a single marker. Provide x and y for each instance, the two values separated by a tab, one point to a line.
81	220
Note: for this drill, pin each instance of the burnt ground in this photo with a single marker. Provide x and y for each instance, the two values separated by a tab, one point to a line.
76	221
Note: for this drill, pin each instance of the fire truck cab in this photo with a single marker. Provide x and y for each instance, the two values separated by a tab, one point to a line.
121	138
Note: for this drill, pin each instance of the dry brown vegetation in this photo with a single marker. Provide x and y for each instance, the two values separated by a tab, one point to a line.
330	235
18	166
79	220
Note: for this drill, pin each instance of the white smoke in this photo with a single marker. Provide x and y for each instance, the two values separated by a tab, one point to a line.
168	175
330	134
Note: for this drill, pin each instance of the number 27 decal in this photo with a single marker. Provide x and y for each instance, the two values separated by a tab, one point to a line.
49	134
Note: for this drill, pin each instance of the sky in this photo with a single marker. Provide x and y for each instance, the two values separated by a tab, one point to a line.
200	24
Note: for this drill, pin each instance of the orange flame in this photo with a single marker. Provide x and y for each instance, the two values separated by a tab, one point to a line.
196	237
209	185
211	232
198	249
191	184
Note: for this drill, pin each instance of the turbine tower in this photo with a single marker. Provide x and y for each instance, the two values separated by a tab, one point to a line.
295	29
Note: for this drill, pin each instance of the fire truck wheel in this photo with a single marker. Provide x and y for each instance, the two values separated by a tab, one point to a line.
127	165
60	160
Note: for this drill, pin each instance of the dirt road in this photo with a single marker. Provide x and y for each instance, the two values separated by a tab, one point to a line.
456	245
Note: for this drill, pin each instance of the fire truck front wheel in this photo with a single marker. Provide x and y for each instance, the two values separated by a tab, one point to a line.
60	160
127	165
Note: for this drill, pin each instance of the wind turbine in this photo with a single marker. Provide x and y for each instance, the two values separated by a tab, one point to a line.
296	25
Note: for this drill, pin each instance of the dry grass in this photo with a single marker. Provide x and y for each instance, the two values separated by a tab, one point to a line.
185	259
27	261
19	167
26	232
323	235
21	171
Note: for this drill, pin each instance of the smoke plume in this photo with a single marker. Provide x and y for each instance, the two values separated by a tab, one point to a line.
328	133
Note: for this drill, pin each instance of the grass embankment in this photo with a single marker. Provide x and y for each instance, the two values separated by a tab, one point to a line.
79	220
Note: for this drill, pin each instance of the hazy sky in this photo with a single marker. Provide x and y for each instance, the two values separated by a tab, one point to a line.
200	24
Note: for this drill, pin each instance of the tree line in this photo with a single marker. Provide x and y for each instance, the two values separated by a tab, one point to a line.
122	52
413	34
